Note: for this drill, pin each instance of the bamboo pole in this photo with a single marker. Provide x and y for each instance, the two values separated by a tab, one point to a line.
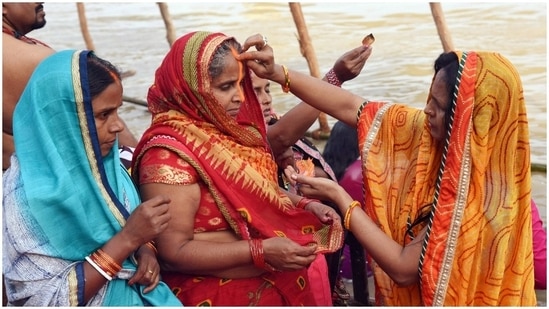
442	29
84	26
134	101
447	46
170	32
307	50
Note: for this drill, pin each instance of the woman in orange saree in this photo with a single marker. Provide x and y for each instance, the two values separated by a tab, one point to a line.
234	239
447	217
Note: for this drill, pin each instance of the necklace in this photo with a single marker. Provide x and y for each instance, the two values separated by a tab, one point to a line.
21	37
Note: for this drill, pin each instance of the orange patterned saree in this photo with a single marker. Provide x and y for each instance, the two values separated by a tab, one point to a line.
478	247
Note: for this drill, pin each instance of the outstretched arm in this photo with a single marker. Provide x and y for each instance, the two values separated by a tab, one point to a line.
399	262
330	99
293	124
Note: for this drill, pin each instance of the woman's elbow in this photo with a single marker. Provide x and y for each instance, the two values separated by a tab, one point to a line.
405	278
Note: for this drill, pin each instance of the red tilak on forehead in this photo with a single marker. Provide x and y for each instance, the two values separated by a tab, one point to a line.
240	73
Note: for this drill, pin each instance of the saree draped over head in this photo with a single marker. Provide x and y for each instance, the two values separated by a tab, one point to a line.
231	157
61	199
478	247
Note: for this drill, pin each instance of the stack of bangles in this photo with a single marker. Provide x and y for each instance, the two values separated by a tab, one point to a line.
305	201
104	264
151	245
347	218
258	256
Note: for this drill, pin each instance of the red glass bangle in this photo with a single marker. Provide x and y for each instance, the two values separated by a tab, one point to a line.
256	249
305	201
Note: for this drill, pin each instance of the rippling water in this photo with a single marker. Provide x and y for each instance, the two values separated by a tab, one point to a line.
133	36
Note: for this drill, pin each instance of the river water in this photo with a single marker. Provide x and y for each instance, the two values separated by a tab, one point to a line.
133	37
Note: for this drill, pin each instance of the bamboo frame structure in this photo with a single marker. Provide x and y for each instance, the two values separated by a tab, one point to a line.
307	50
84	26
305	43
442	28
170	31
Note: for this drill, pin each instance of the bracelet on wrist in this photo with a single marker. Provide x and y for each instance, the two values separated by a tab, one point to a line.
258	255
302	203
151	245
104	264
348	213
98	268
332	78
256	249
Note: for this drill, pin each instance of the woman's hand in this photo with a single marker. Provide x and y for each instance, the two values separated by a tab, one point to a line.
285	158
317	187
261	61
147	221
350	64
324	213
148	269
312	187
286	255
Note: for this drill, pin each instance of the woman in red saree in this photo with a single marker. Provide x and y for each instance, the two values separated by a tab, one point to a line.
447	216
234	238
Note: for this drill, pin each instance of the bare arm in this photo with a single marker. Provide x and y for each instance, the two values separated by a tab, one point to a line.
219	254
19	59
18	62
327	98
399	262
293	124
178	247
291	127
144	224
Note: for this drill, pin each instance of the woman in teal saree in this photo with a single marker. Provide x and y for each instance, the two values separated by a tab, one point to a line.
75	231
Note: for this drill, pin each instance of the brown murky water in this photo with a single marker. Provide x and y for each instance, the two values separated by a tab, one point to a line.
133	36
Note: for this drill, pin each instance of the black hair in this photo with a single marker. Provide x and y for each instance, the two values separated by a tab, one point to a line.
448	62
341	149
101	73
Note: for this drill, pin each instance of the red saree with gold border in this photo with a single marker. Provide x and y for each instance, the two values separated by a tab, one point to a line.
232	158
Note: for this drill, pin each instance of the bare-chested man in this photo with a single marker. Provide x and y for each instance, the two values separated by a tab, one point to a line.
20	55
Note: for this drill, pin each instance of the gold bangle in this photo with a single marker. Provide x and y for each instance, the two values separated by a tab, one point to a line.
286	87
347	218
151	245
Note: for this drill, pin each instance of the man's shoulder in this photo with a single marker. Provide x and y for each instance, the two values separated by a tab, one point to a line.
10	40
11	45
19	54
